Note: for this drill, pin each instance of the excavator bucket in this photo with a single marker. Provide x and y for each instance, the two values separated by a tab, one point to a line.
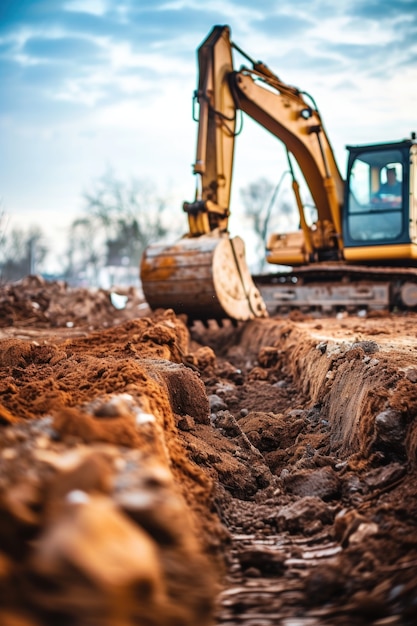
205	277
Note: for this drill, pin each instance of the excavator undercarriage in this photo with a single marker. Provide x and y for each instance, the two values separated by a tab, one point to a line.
337	289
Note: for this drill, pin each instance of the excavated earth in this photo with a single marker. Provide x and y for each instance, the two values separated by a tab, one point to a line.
156	475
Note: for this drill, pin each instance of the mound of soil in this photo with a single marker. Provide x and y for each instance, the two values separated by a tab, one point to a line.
155	475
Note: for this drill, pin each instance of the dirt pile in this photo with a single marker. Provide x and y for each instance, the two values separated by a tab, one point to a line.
142	464
33	301
104	518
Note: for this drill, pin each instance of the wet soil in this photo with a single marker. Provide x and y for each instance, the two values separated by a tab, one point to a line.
152	474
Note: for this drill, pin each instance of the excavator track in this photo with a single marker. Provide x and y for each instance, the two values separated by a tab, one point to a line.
204	277
340	287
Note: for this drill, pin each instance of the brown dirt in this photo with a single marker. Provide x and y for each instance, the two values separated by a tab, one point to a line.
152	475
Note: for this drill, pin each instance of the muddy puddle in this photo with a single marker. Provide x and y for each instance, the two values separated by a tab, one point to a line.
155	475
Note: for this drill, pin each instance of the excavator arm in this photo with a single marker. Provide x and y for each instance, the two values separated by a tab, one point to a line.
284	112
205	273
216	136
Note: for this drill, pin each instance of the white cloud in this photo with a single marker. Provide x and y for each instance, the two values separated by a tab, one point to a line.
94	7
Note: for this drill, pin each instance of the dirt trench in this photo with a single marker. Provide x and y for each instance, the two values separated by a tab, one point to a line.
150	475
329	536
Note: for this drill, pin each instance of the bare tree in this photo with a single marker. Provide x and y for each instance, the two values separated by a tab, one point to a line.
22	251
121	219
85	253
261	209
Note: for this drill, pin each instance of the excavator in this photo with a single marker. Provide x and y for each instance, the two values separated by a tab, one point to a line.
360	251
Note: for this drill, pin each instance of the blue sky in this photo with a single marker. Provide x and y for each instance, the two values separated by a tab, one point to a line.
88	85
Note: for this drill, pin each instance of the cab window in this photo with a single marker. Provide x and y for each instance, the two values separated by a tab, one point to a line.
376	196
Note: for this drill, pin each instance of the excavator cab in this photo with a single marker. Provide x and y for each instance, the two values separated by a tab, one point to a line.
379	217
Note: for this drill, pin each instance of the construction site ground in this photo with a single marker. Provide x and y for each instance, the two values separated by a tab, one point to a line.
156	475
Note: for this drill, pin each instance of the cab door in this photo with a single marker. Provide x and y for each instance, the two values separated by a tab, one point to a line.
413	194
